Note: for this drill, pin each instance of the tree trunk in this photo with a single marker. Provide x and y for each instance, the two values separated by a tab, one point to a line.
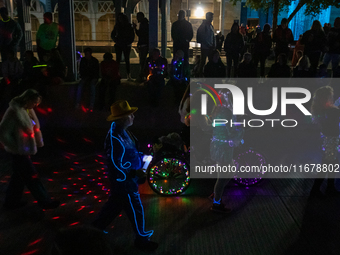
275	14
298	7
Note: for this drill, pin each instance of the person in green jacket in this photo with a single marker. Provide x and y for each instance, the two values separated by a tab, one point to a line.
47	36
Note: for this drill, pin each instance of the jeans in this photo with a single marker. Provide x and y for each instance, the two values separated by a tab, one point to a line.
24	174
126	50
335	58
262	59
104	85
93	82
204	54
232	58
143	53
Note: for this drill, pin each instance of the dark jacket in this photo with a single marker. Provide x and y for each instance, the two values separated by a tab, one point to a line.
143	33
181	33
206	35
10	33
279	71
262	44
89	68
283	37
233	43
215	70
313	41
123	34
247	70
333	41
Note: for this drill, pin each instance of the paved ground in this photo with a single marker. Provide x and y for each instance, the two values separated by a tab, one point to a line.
274	217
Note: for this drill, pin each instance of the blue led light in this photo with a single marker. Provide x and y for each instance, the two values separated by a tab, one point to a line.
217	202
147	233
121	159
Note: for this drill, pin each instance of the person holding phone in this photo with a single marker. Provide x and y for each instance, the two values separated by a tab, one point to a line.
125	173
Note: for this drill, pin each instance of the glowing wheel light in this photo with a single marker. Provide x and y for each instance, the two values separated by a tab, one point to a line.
169	176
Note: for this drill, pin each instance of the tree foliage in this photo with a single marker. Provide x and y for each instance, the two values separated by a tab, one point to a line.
313	7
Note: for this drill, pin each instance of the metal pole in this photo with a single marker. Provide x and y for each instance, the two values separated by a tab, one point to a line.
67	38
163	27
153	24
222	11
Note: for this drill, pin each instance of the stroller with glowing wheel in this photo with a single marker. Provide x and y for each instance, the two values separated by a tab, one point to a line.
168	171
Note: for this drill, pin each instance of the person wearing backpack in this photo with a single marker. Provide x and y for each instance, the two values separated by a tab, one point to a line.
123	35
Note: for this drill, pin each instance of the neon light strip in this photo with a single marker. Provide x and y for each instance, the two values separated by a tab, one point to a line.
148	233
217	202
39	66
213	90
206	91
127	162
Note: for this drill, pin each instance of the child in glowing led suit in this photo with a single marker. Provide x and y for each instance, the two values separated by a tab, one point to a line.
156	70
179	71
326	114
125	173
225	138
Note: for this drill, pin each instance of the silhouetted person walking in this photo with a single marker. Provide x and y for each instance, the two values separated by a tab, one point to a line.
10	34
206	37
181	33
233	46
283	36
125	173
315	42
20	134
89	73
262	46
143	42
123	35
333	43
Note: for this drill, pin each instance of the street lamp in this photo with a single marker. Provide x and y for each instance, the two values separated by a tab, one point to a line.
199	13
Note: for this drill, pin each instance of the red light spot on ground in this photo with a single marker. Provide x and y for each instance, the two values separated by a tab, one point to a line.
60	140
27	192
120	215
69	195
29	252
72	169
74	223
62	204
35	242
49	109
81	208
50	180
34	202
36	163
77	201
87	140
64	188
76	163
55	218
56	172
91	212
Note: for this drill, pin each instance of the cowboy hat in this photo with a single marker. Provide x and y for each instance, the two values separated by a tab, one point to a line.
120	109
